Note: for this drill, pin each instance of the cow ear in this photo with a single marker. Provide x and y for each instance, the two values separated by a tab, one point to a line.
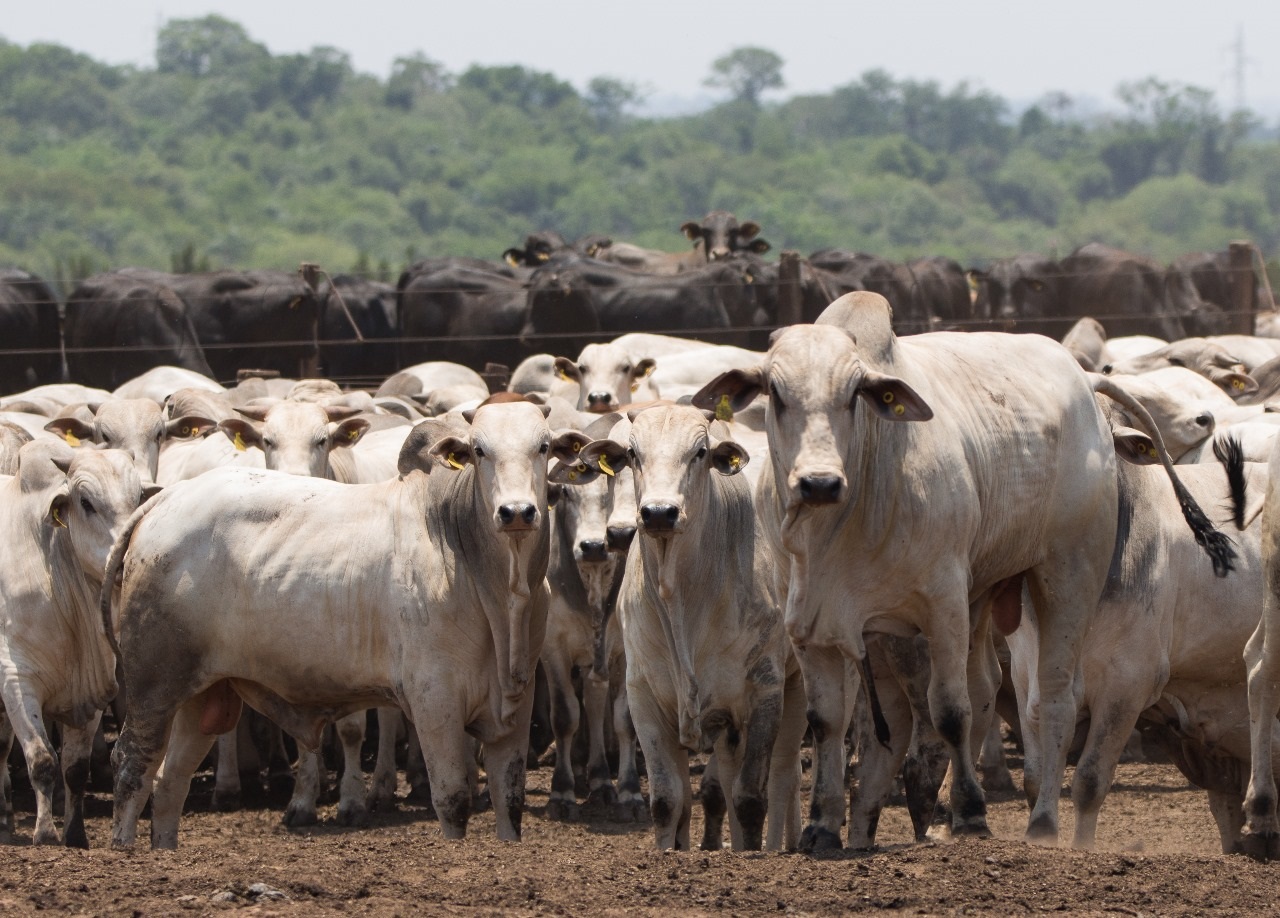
241	433
892	399
609	456
573	472
730	391
340	412
567	370
452	452
692	231
553	494
150	491
188	427
72	430
728	458
512	257
348	433
254	412
642	369
58	509
757	246
568	444
1134	447
748	229
1235	385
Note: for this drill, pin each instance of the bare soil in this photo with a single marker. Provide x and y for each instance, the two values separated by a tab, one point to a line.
1157	855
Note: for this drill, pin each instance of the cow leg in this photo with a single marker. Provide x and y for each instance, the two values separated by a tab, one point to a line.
595	693
952	715
630	799
227	781
505	763
279	769
563	802
382	789
996	777
750	764
6	783
28	724
351	808
1228	814
77	749
829	707
301	810
670	793
1023	670
784	769
415	770
1110	725
448	753
186	749
874	768
714	807
1261	839
925	765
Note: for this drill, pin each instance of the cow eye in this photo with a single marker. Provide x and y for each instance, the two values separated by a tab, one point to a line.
268	443
583	369
1176	362
778	404
321	441
542	450
86	506
626	369
635	460
477	452
700	454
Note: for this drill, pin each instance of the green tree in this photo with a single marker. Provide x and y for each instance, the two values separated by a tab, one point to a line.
210	45
608	99
746	73
414	77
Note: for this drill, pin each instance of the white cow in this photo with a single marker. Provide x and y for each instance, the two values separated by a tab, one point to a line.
136	425
159	383
59	515
708	664
608	377
438	581
913	485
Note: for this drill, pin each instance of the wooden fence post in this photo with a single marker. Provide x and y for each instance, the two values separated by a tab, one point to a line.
1244	288
789	311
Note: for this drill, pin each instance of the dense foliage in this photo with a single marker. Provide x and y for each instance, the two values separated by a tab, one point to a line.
227	155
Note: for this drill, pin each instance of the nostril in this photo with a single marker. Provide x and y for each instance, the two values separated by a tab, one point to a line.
820	489
671	515
659	517
593	550
1205	419
529	513
506	514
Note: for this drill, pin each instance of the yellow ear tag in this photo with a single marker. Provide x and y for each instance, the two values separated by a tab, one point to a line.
577	447
563	375
573	474
604	465
888	398
899	409
734	462
724	411
453	462
186	431
239	442
352	434
635	387
72	440
1237	384
57	519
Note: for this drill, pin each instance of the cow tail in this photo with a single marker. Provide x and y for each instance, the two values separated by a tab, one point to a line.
115	561
1231	454
873	701
1217	545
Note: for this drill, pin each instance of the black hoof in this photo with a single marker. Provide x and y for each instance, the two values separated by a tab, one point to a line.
1041	831
355	816
226	803
76	838
296	819
815	839
1261	846
562	811
603	796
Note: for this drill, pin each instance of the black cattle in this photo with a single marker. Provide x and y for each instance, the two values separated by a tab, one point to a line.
266	319
122	323
28	332
1021	294
849	271
722	235
939	289
372	307
542	246
466	313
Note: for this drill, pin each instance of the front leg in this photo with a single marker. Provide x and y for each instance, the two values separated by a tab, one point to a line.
27	720
77	748
829	711
505	762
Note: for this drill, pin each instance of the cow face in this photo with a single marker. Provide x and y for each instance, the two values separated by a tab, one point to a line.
606	376
135	425
510	444
1018	292
720	235
1183	423
817	384
296	437
102	490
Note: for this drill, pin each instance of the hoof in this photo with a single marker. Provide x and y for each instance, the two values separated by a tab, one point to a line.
562	811
352	813
229	802
419	795
1261	846
49	837
712	842
603	796
976	828
297	817
630	811
481	802
381	802
76	838
815	839
1042	830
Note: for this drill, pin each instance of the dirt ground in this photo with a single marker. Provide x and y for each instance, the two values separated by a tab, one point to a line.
1157	855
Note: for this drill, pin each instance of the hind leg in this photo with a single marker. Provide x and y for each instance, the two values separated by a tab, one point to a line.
186	749
77	748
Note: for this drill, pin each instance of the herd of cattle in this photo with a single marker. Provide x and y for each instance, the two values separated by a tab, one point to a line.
848	532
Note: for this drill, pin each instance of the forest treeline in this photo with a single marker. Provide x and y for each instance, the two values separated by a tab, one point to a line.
224	154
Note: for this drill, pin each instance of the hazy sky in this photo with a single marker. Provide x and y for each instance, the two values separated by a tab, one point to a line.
1020	51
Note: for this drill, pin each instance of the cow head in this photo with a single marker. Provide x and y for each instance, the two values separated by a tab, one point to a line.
606	376
1183	423
819	391
102	490
721	235
296	437
1018	292
135	425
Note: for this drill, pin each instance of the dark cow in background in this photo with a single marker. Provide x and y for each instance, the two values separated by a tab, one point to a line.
722	235
1023	293
139	314
542	246
372	307
926	293
28	323
473	313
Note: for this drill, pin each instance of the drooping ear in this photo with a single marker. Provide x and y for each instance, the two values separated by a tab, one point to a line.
58	508
728	458
188	427
254	412
241	433
348	433
150	491
62	462
892	399
72	430
340	412
452	452
553	494
513	257
568	444
1134	447
643	369
692	230
573	472
567	370
732	390
1233	383
757	247
608	456
748	229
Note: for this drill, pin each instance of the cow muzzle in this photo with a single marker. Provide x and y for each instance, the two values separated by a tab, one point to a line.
592	551
815	490
619	537
600	402
519	516
659	518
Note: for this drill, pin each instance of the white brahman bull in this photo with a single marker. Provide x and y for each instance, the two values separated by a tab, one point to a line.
607	377
256	586
135	425
913	485
60	515
708	664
